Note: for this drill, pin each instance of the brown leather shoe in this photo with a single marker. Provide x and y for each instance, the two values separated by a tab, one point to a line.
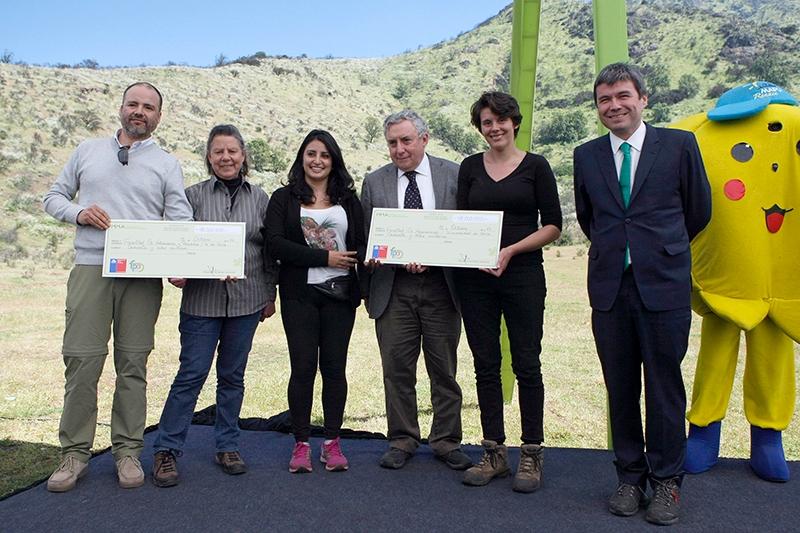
165	469
231	462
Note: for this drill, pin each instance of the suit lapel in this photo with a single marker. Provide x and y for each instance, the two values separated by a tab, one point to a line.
439	184
650	150
605	162
390	186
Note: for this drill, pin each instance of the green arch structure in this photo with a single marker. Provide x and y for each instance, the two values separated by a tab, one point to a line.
611	45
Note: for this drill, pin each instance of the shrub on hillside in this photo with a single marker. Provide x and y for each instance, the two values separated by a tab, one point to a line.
769	67
688	85
265	158
564	127
716	91
460	140
660	113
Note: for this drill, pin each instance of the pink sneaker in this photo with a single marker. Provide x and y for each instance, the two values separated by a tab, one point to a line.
332	456
301	458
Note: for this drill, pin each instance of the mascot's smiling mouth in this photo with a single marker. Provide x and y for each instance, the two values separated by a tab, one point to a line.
774	217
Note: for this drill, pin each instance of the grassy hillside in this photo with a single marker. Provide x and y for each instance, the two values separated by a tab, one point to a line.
692	50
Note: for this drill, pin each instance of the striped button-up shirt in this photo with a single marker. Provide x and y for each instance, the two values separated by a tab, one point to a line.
211	201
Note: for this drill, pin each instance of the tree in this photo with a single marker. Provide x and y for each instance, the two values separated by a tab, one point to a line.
372	127
660	113
656	77
564	127
688	85
769	67
221	60
6	56
265	158
463	142
89	63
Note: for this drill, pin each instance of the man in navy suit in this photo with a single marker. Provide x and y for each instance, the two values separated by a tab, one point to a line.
641	195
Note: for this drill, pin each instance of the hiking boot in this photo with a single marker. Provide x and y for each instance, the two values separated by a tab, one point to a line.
67	474
529	473
456	459
231	462
165	469
666	504
395	458
129	472
331	455
494	463
301	458
627	500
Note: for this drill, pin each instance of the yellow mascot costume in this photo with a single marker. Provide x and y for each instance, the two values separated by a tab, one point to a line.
746	272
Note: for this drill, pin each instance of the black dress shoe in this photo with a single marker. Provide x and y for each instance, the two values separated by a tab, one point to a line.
665	508
456	459
627	500
395	458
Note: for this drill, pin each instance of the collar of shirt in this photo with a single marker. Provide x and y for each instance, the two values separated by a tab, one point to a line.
636	140
137	145
218	183
424	184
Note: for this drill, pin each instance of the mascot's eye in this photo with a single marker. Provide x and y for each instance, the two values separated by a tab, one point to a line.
798	147
775	126
742	152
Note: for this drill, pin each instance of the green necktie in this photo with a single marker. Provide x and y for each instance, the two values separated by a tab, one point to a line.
625	188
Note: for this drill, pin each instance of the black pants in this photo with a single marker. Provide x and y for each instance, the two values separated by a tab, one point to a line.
318	333
519	297
629	337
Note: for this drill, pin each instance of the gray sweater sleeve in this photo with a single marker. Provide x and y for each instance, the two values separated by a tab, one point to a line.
58	201
176	206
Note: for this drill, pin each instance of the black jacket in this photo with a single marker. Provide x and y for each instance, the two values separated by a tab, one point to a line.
287	244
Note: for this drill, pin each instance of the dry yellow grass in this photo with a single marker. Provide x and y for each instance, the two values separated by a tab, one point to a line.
31	370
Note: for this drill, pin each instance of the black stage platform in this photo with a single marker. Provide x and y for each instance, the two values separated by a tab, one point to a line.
424	496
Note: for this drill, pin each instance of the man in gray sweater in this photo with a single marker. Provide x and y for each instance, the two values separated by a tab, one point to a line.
126	176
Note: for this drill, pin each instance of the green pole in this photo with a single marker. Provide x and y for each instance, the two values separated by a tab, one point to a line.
610	46
524	53
610	36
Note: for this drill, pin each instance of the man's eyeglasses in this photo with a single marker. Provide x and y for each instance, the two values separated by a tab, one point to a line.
122	155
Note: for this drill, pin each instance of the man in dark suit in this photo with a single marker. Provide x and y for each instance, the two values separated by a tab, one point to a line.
641	195
415	304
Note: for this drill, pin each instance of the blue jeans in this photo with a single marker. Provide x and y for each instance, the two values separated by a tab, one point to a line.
233	338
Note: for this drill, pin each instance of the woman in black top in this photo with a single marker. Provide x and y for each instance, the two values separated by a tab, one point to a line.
520	184
315	228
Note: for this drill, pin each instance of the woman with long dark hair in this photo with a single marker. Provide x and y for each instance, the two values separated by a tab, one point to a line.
315	228
521	184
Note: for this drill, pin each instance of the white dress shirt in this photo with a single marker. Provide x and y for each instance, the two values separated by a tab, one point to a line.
424	183
636	141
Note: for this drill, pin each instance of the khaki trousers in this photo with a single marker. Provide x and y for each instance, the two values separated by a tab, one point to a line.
95	307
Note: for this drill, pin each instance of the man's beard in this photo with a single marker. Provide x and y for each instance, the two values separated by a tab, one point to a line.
136	132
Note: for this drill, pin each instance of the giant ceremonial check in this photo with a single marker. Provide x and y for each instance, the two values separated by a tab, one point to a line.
435	237
159	249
